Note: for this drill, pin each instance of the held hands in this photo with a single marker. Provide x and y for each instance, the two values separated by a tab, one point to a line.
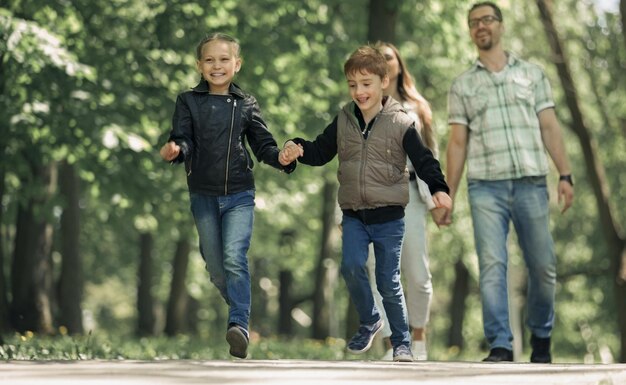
289	153
170	151
442	213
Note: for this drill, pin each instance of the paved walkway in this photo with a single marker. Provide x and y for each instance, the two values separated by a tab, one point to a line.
304	373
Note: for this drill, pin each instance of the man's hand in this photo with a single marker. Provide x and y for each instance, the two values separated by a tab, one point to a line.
565	193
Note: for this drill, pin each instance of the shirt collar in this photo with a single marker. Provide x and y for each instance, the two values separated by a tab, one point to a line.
511	61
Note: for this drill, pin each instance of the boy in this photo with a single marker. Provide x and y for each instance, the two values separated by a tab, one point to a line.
372	135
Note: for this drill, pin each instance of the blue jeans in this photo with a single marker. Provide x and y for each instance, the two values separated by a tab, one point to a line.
224	226
387	240
525	203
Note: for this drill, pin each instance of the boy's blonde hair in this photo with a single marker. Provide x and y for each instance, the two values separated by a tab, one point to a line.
366	59
218	36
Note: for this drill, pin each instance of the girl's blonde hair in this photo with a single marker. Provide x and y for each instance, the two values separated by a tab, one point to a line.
408	92
218	36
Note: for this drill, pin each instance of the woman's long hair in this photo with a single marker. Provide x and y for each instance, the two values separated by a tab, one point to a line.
408	92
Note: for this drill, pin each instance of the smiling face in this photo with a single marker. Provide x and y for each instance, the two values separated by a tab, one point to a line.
488	28
366	89
218	64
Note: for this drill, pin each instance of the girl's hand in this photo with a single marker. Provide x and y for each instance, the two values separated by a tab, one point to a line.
289	153
170	151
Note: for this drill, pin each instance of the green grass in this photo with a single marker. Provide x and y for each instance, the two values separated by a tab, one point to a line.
184	347
112	347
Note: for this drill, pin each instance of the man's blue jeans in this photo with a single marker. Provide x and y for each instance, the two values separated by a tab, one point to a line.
224	226
525	203
387	240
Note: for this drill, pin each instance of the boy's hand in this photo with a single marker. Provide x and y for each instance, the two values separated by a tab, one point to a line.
289	153
443	201
170	151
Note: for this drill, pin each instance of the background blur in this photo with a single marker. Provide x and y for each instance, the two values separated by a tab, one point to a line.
95	229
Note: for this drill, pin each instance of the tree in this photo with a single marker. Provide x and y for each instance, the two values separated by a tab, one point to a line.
622	11
177	317
70	286
382	20
146	321
616	242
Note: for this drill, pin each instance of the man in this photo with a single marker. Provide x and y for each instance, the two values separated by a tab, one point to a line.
502	120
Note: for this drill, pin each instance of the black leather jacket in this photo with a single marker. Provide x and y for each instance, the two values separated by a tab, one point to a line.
211	131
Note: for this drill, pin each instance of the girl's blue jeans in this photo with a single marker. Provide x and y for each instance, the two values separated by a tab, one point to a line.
224	225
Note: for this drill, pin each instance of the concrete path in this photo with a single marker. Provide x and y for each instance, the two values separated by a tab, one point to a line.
304	373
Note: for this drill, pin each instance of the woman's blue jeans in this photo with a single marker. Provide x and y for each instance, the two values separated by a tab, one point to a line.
224	225
387	240
525	203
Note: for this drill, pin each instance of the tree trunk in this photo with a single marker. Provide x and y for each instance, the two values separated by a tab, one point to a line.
622	11
382	20
323	292
4	135
285	301
263	322
71	278
352	320
31	270
145	302
460	291
4	294
177	309
616	243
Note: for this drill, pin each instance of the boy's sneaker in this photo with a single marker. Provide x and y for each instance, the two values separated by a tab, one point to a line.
419	350
541	350
402	353
237	338
363	338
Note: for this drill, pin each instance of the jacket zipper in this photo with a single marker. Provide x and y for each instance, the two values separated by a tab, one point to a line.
230	141
363	161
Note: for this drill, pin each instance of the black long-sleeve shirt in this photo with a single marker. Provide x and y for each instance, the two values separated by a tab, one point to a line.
324	148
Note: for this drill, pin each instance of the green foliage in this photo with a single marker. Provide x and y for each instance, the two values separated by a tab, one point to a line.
119	347
116	346
93	84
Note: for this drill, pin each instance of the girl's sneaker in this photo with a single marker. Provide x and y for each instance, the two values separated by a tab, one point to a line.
419	350
237	338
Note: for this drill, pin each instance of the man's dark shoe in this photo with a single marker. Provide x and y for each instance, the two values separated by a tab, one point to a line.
237	338
541	350
499	355
362	340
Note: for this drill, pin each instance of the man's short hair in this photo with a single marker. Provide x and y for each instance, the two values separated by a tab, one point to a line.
496	9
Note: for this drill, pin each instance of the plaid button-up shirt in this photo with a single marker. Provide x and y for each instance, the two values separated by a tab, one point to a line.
500	111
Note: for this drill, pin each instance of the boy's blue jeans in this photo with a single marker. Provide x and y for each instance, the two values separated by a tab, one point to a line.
387	240
525	202
224	226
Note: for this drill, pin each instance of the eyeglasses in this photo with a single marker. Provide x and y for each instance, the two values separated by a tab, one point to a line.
486	20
